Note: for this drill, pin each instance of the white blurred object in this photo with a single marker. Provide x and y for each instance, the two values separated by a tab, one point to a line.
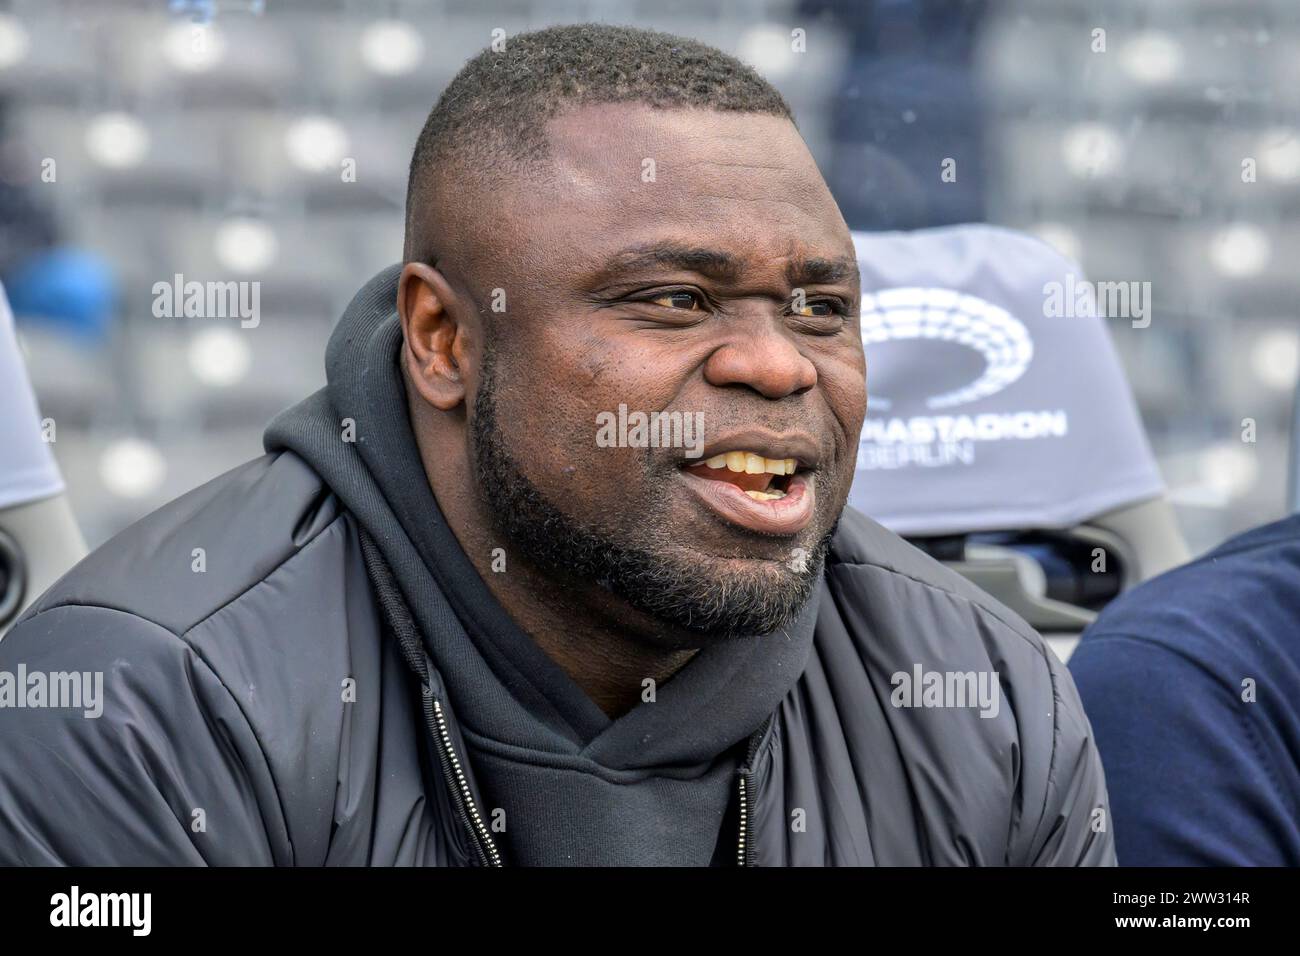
246	245
1279	154
117	140
1241	250
13	42
316	143
391	47
132	468
193	47
1092	149
1276	359
1152	57
1229	470
219	357
28	471
769	49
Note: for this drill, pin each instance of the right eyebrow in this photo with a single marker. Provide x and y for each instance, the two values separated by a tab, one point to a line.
713	263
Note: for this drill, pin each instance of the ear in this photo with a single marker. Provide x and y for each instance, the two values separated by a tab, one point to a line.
435	350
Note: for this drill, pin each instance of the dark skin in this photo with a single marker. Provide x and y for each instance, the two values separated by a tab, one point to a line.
674	294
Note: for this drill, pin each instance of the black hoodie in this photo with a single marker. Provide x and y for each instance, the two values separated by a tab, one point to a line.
562	783
264	711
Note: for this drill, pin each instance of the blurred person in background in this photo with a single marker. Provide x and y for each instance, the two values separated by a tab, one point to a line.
458	616
907	101
48	280
1192	684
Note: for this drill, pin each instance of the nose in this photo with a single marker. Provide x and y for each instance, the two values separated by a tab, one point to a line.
763	358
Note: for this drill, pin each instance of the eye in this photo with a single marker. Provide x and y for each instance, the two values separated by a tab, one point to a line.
679	299
818	309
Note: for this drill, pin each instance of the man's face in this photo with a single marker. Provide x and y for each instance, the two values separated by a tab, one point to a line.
688	262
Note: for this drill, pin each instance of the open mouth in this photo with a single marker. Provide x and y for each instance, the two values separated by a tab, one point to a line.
763	479
771	496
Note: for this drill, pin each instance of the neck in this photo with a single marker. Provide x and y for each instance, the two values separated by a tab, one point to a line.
600	642
612	666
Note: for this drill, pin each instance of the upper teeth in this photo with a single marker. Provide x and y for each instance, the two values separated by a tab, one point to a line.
748	462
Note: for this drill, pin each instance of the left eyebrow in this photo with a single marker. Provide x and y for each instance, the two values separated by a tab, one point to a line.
816	271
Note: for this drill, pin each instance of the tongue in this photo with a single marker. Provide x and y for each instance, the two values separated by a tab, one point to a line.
742	480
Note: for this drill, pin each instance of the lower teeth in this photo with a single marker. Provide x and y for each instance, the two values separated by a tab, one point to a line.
766	495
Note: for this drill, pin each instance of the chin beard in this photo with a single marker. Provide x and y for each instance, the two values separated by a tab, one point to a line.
685	593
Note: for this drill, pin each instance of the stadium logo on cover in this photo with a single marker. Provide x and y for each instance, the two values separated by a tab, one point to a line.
930	322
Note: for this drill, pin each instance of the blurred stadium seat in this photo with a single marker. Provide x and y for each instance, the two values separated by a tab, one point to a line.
39	538
1001	435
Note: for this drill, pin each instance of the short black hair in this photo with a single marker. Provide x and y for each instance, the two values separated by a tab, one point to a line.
491	117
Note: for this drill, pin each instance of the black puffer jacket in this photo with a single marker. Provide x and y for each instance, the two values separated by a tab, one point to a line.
290	705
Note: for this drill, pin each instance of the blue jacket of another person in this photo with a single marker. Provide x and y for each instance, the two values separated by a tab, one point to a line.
1192	685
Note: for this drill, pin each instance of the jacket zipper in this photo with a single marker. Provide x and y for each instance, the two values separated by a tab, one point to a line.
481	839
745	782
741	850
402	625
